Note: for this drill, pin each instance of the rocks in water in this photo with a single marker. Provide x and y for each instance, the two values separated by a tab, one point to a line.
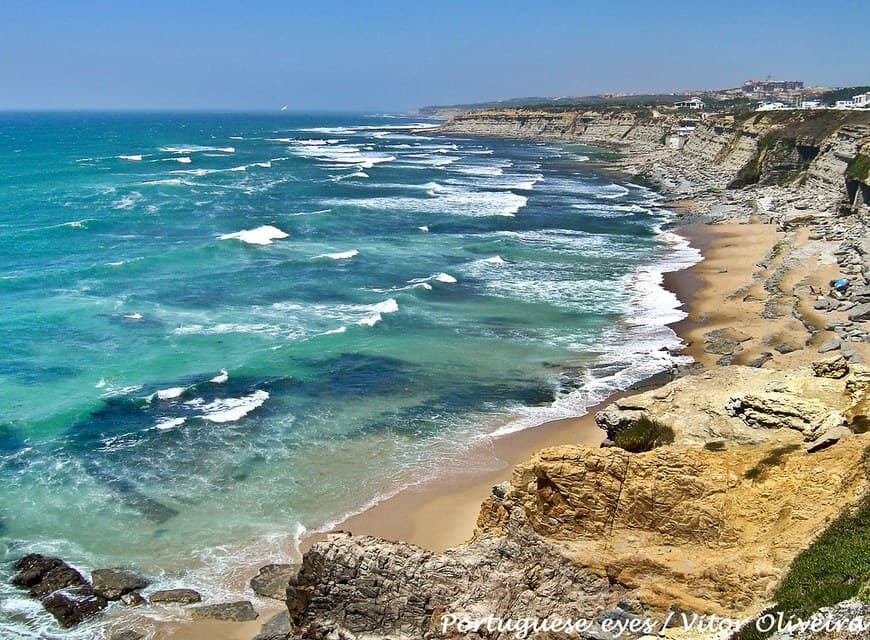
64	592
43	575
272	580
114	583
175	596
276	628
830	437
830	345
72	605
860	313
241	611
834	368
133	599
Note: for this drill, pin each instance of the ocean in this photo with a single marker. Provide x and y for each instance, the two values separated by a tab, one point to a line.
222	331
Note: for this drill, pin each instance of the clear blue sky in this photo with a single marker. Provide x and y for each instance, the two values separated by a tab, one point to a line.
392	55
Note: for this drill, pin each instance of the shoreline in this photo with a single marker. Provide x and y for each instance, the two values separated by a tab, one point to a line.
442	512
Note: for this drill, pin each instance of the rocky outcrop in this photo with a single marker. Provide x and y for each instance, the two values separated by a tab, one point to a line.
114	583
741	405
271	581
642	128
64	592
586	533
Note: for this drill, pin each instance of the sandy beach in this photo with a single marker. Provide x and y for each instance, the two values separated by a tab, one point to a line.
442	513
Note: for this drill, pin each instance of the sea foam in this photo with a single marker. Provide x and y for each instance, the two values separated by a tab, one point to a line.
261	235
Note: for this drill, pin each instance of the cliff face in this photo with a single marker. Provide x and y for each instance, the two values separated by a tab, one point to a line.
816	156
606	534
622	127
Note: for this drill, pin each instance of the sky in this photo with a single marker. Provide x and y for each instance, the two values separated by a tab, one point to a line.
390	55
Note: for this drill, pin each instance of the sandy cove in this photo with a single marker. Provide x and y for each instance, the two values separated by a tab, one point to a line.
717	292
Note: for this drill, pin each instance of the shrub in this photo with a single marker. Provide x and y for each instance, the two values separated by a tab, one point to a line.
644	434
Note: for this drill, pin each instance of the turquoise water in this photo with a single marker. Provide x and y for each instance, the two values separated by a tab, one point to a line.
220	331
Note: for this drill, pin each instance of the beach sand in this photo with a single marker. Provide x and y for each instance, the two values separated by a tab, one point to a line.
724	290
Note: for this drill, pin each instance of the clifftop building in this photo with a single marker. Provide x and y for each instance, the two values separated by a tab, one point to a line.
789	92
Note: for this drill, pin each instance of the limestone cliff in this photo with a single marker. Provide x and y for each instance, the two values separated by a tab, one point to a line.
603	534
820	157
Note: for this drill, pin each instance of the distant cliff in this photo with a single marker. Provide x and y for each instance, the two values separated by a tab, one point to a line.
822	157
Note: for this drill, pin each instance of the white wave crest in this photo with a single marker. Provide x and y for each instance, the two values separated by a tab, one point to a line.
231	409
220	378
261	235
134	157
341	255
377	311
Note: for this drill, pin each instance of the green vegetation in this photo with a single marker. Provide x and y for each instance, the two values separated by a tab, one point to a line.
645	434
859	168
773	459
834	568
831	97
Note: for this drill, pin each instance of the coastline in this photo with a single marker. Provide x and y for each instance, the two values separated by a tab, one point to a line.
442	512
723	291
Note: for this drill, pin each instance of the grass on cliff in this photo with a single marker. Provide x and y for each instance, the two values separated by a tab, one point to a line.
645	434
834	568
859	168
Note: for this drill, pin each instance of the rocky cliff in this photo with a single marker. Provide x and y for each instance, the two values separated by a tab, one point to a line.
640	128
706	524
819	161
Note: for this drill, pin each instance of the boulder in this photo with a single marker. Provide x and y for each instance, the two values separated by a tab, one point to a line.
787	347
133	599
860	313
276	628
272	580
42	575
114	583
175	596
242	611
830	437
834	368
72	605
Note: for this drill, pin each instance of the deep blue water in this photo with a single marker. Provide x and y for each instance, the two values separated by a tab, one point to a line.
221	330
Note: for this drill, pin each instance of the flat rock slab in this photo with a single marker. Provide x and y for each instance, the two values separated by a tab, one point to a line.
860	313
830	345
242	611
114	583
175	596
830	437
272	580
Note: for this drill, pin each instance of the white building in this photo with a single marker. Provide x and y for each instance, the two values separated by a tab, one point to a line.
811	104
694	103
861	101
